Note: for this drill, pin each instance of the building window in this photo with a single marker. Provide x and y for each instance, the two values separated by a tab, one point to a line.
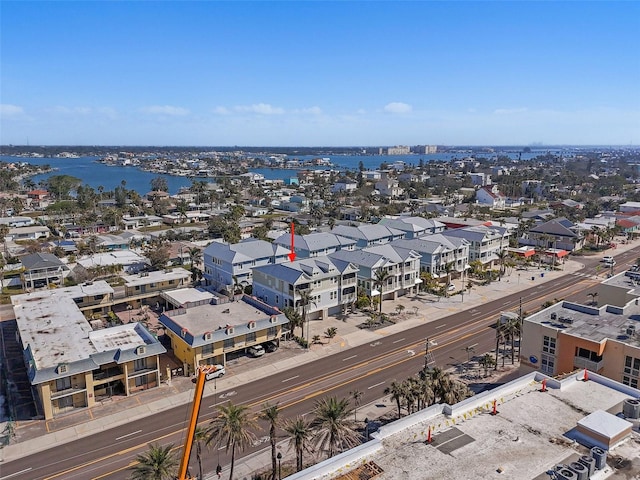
549	345
547	364
631	371
229	343
272	332
141	380
63	368
207	349
251	337
63	384
139	364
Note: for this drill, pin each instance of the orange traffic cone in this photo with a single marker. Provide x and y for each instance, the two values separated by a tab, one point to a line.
585	377
494	410
544	385
429	435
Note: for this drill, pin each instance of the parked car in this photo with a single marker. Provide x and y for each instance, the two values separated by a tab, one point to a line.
217	373
270	346
451	287
256	351
607	259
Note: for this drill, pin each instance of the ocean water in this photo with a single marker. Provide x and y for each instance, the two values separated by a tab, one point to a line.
97	174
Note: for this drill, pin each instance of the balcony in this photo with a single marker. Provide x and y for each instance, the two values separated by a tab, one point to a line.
142	371
581	362
107	374
67	391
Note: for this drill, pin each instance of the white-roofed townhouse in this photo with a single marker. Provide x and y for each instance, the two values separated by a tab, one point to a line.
369	235
485	243
226	265
330	282
413	227
401	264
437	252
315	244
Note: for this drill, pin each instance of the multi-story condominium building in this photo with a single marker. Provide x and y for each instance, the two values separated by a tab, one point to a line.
568	336
207	334
389	187
413	227
369	235
485	243
316	244
74	366
145	285
490	195
331	283
403	265
228	264
399	150
438	252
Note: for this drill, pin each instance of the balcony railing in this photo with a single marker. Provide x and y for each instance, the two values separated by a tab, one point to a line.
68	391
581	362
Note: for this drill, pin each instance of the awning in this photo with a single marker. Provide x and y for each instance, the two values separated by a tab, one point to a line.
418	281
374	293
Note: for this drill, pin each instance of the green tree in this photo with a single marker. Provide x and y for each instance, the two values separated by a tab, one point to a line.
232	429
299	432
397	392
61	186
271	414
332	426
356	396
159	184
306	299
487	362
295	319
157	463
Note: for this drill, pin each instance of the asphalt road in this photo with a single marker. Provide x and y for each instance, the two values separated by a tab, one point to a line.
369	368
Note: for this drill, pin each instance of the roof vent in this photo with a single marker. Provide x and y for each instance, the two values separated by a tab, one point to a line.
631	408
554	315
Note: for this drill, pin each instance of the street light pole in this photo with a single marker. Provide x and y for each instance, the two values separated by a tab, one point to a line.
279	457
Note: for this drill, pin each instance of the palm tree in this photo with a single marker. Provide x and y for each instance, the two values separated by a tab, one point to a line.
271	414
299	432
397	392
487	362
157	463
512	329
381	276
593	296
195	256
332	426
295	319
502	257
4	231
306	299
500	337
231	428
199	436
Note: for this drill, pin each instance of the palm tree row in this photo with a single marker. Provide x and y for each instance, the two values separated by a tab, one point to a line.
429	387
507	332
330	430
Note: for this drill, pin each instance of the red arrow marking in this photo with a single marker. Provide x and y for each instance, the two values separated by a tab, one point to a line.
292	255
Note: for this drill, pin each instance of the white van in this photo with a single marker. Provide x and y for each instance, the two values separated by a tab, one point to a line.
217	373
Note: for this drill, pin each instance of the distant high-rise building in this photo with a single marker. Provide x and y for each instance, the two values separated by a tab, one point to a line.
425	149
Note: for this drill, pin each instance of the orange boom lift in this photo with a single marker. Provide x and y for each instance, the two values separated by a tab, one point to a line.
193	420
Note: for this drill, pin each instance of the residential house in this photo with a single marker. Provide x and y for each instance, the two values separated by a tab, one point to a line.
331	283
369	235
413	227
73	366
133	223
17	221
226	265
344	185
439	253
126	260
315	244
489	195
485	243
38	199
389	187
558	233
402	265
480	179
33	232
210	334
42	269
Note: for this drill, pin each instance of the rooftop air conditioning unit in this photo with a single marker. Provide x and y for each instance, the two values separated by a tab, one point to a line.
590	462
554	316
566	474
568	320
631	330
631	408
600	456
581	470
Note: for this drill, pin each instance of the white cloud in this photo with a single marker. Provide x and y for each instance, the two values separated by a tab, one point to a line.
260	108
312	110
8	110
509	111
165	110
108	112
221	110
69	110
397	107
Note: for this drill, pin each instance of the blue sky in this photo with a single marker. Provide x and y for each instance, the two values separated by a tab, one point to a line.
319	73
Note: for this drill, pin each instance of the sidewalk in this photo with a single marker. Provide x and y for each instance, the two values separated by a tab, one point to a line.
32	436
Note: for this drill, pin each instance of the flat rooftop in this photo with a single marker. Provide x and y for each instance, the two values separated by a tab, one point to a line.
117	257
123	337
594	323
144	278
184	296
88	289
530	435
205	318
